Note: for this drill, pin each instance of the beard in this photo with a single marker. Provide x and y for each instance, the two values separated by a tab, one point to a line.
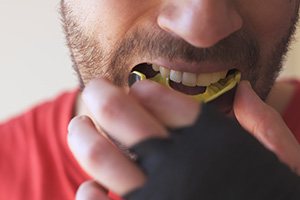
240	50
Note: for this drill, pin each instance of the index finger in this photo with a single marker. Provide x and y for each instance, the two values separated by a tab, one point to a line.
120	115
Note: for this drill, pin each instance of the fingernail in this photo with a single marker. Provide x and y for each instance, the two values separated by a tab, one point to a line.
247	95
246	84
76	130
92	86
74	122
91	92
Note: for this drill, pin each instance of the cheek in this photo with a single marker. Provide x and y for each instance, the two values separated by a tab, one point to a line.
106	20
268	20
85	13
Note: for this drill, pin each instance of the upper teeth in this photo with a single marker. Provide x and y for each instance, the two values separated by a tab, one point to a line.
190	79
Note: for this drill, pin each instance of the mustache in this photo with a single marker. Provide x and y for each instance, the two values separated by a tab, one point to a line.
237	49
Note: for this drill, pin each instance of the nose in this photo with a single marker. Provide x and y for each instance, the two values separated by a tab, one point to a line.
202	23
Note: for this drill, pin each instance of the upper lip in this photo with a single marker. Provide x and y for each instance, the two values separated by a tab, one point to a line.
197	68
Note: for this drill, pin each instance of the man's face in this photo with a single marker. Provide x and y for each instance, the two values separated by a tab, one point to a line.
192	38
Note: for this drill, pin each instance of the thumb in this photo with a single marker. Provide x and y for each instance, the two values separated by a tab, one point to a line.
266	125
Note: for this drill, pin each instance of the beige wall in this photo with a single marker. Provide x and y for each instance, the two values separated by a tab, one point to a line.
292	66
34	62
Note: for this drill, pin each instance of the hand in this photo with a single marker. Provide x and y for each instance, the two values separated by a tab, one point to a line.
265	124
146	112
116	172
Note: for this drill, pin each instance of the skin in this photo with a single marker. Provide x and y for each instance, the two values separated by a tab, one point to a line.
251	35
103	43
111	169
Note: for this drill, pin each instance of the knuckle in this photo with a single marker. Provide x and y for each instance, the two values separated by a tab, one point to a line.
274	142
264	130
111	106
96	153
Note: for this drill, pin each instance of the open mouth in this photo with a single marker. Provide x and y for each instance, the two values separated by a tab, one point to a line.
204	87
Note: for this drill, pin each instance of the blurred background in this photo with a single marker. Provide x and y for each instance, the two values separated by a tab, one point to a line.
34	61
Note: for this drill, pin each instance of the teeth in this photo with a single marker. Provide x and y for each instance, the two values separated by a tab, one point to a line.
223	74
155	67
176	76
216	76
165	73
205	79
189	79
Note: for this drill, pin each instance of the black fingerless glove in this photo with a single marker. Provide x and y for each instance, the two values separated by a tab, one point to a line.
211	160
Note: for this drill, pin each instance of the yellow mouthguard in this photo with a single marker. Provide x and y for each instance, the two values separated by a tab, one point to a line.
212	91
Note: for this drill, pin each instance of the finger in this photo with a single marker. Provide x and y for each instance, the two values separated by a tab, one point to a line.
266	125
90	190
101	160
172	108
119	114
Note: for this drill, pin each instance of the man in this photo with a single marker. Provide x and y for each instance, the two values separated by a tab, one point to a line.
186	40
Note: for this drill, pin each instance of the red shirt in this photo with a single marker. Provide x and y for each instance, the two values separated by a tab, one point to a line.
291	115
35	161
